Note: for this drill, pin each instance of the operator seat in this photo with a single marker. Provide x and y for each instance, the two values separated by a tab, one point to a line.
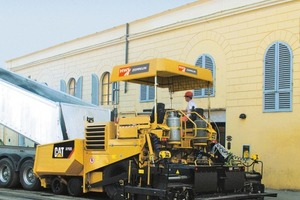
193	116
160	113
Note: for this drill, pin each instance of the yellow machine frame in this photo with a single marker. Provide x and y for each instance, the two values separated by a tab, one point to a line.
108	143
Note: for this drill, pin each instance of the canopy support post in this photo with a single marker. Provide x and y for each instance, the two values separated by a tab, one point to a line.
155	98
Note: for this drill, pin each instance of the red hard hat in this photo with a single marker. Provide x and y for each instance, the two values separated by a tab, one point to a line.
188	94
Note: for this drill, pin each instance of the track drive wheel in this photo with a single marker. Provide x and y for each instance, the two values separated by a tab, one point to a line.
27	178
115	191
180	194
8	176
57	186
75	187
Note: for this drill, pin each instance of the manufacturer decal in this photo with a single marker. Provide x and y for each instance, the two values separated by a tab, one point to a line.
187	69
125	71
63	150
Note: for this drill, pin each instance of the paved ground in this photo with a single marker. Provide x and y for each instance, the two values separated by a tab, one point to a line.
17	194
284	195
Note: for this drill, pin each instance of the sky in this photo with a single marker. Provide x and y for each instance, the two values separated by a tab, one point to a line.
27	26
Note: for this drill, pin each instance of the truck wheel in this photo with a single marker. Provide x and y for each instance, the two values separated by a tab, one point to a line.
8	176
58	187
27	178
75	187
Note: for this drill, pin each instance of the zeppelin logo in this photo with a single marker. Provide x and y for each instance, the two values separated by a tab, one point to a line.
187	69
181	68
126	71
63	150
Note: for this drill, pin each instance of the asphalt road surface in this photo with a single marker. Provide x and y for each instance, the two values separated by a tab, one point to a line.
19	194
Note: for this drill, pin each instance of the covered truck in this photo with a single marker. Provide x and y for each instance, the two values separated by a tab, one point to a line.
33	112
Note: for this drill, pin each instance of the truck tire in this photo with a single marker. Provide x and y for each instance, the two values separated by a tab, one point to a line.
27	178
58	187
75	187
8	176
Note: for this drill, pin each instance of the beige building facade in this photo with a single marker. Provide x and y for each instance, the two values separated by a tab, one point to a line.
252	48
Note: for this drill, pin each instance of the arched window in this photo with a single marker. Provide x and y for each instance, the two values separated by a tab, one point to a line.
105	89
206	61
106	96
277	78
71	86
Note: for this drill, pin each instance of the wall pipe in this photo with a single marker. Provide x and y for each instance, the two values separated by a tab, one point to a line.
126	51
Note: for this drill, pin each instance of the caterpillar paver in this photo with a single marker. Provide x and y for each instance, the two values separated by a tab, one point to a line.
152	157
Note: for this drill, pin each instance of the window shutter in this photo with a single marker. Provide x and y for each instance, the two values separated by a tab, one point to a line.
270	69
269	85
277	78
284	67
199	92
269	101
95	89
199	62
284	100
63	86
284	77
209	65
78	89
205	61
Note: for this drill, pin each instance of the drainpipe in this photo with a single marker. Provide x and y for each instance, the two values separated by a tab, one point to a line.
126	51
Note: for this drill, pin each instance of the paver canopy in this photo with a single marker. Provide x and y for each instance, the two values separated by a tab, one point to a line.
176	76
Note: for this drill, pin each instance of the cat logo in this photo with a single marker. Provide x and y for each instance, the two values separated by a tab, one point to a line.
63	150
59	152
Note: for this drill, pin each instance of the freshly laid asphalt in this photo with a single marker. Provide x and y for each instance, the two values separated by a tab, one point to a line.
18	194
284	195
